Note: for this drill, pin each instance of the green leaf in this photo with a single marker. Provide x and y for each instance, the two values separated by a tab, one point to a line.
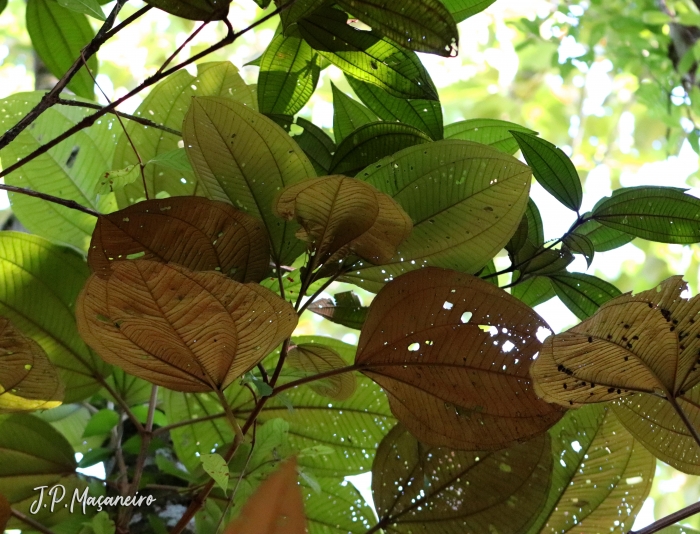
535	229
33	454
552	168
426	115
115	180
101	423
462	216
582	293
366	56
463	9
370	143
288	75
519	239
175	159
348	114
216	468
675	529
345	309
580	244
600	477
244	158
88	7
58	35
534	291
39	283
194	9
167	104
662	214
132	390
3	5
492	132
316	144
603	237
338	508
69	170
420	25
95	456
298	10
102	524
543	260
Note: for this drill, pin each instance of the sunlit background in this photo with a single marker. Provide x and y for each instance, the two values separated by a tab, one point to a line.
591	109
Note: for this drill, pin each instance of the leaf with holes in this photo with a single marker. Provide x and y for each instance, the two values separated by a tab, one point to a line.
345	309
492	132
420	25
453	353
465	199
418	488
200	234
348	114
340	215
314	359
28	380
645	344
600	475
244	158
277	506
185	330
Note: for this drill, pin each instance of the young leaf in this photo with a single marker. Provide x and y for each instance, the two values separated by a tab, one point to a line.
39	284
463	9
465	199
417	488
199	234
662	214
194	9
552	168
426	115
316	359
185	330
580	244
366	56
646	343
340	215
420	25
453	354
216	468
542	261
371	142
288	75
244	158
101	423
348	114
590	445
276	506
58	36
344	309
492	132
167	104
28	380
534	291
582	293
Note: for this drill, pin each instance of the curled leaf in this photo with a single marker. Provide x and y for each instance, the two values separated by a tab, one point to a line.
316	359
275	508
422	489
197	233
453	353
185	330
342	215
28	380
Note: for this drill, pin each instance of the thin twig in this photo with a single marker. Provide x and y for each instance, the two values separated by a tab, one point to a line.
669	520
183	45
71	204
31	522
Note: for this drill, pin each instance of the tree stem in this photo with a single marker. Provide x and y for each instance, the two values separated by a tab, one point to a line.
70	204
31	522
669	520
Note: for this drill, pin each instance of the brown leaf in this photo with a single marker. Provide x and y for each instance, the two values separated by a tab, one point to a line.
197	233
420	489
275	508
5	512
340	215
185	330
314	359
28	380
453	353
642	349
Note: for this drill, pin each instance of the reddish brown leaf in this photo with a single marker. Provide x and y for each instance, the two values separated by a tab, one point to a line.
197	233
5	512
28	380
453	353
314	359
185	330
276	507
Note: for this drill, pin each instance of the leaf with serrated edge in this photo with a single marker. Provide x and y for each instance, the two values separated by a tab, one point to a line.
422	489
453	354
197	233
242	157
645	344
600	475
276	507
28	380
316	359
185	330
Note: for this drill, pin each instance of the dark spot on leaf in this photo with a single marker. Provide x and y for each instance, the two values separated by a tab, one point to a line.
72	157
